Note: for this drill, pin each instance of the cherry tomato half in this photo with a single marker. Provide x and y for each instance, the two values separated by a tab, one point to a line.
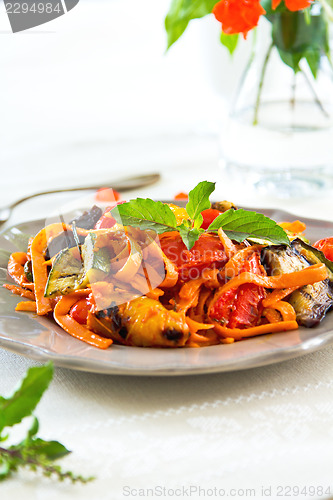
107	220
326	246
181	196
241	307
107	194
207	253
79	311
208	216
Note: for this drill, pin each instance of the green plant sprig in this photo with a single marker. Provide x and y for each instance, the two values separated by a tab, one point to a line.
296	35
32	453
237	224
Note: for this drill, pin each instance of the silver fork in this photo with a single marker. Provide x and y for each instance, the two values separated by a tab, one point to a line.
126	184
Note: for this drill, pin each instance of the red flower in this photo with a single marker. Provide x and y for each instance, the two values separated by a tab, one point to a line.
292	5
238	16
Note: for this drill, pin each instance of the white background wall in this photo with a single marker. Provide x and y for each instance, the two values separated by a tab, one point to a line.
92	96
78	90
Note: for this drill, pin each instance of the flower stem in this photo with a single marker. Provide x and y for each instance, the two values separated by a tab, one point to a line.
26	460
327	8
293	92
316	98
261	83
244	74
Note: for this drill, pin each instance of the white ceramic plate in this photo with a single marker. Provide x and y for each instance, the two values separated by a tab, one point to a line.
41	339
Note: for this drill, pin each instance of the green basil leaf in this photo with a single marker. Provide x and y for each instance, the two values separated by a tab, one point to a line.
198	221
145	214
241	224
33	429
50	449
181	12
189	236
5	469
2	421
229	41
24	400
198	199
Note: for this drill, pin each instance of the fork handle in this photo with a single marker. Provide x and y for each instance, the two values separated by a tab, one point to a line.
126	184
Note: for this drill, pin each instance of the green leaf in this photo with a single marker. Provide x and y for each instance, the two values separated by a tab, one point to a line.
229	41
238	224
2	419
198	199
189	236
299	35
52	450
198	221
4	469
291	60
145	214
313	60
34	428
270	12
181	12
33	453
242	224
24	400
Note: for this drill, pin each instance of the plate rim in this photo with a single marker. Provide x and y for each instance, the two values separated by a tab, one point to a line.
259	359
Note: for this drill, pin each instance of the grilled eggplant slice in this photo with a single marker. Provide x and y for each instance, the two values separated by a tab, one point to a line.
88	219
28	271
279	259
61	242
142	322
313	256
311	302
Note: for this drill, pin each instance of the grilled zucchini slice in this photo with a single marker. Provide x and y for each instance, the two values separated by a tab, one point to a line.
64	274
96	261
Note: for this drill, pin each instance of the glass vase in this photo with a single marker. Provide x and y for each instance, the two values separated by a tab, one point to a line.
279	134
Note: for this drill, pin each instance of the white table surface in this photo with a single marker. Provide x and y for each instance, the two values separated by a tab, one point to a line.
265	428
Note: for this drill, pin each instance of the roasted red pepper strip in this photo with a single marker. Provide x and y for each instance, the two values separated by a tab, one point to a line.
241	307
326	246
67	323
15	269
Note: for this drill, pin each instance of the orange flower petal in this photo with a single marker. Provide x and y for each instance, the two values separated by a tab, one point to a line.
275	4
295	5
238	16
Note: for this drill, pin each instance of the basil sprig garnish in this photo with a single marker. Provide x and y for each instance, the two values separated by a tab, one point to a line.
32	452
240	225
237	224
